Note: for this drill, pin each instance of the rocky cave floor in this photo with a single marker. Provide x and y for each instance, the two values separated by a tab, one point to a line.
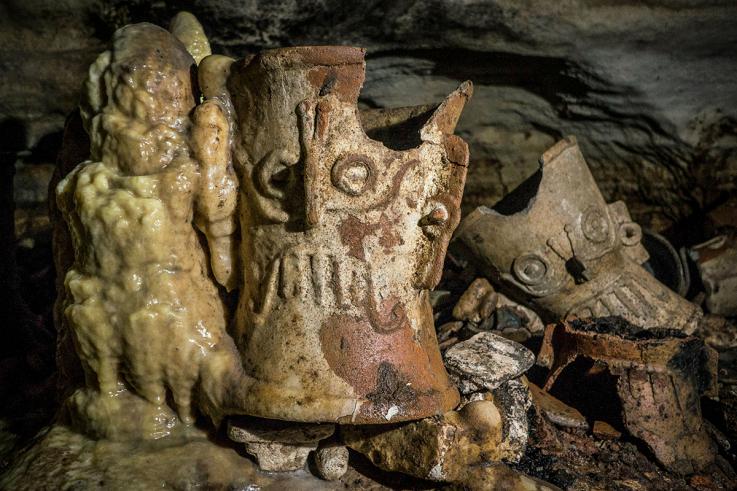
605	458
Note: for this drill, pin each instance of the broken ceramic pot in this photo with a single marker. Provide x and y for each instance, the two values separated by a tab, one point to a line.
342	237
556	242
660	376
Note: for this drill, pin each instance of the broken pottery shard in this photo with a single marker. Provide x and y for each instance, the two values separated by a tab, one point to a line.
556	241
605	431
486	361
556	411
660	376
343	236
331	461
716	262
477	302
439	448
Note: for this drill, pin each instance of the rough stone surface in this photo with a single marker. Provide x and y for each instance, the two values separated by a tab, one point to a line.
486	361
331	462
513	400
439	448
499	477
279	457
63	459
629	79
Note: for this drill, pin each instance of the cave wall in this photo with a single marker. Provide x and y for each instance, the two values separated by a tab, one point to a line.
647	87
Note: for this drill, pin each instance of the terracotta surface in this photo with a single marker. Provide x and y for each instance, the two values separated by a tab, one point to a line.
342	237
556	242
660	378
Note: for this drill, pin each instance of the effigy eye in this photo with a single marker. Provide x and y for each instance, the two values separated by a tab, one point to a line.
353	174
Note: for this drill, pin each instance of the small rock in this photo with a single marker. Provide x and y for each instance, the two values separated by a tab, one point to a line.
441	448
486	361
279	457
278	446
331	462
449	329
717	332
556	411
477	302
513	399
518	335
605	431
444	345
440	298
529	319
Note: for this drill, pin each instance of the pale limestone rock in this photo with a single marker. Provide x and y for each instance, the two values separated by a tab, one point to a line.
486	361
440	448
279	457
331	462
278	446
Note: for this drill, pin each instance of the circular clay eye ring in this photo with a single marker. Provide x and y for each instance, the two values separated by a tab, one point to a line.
352	185
594	225
531	269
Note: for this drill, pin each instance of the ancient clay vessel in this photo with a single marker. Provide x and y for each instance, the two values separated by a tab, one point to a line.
342	236
661	376
555	241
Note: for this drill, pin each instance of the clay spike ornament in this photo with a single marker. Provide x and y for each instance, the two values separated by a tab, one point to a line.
342	236
556	241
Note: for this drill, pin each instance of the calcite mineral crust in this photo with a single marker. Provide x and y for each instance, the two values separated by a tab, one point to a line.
146	317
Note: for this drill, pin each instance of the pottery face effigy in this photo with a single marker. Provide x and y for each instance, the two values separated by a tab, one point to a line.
341	239
556	242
